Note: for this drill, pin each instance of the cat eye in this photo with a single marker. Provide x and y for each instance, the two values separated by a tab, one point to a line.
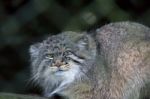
49	56
69	51
68	58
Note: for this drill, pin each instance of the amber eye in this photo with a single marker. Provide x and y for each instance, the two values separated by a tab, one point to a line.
49	56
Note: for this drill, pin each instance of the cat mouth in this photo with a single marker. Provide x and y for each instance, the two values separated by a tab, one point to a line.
59	72
61	68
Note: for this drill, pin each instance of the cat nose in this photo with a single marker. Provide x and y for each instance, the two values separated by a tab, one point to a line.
58	63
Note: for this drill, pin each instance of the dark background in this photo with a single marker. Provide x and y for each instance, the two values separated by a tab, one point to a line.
23	22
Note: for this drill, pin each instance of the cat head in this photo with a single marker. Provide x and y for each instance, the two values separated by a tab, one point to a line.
63	55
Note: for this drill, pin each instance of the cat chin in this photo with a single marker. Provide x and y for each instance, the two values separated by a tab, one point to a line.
60	73
67	77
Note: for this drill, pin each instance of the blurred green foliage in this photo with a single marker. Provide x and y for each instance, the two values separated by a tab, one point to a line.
23	22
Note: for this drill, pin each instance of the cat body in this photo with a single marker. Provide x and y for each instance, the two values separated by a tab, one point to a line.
113	64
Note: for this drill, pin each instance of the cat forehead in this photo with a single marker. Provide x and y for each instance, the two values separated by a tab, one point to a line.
63	39
58	42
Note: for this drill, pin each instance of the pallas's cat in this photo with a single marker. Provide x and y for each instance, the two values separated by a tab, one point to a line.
113	64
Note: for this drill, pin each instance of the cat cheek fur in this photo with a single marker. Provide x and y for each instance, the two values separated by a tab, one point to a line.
34	49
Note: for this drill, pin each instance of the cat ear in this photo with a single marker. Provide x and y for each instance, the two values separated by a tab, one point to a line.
87	43
83	43
34	49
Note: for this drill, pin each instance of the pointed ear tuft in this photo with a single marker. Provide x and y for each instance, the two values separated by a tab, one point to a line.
34	49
